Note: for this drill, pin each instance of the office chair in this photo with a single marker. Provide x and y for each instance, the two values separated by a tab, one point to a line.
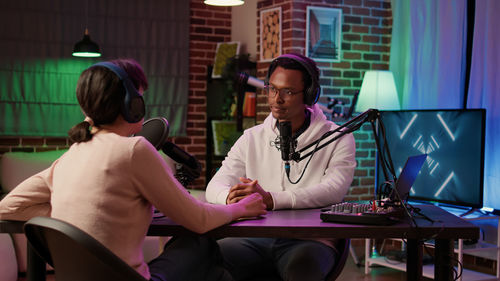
74	254
343	248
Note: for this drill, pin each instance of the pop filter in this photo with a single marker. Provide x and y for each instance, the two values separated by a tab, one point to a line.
155	130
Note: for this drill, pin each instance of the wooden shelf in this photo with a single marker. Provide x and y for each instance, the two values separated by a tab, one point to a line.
427	270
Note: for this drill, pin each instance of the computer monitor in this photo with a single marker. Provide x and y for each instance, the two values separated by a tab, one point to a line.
453	139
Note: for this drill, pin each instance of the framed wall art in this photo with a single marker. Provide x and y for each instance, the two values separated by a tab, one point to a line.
270	34
223	52
323	33
224	136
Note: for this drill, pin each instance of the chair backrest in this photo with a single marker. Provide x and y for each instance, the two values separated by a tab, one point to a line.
74	254
343	248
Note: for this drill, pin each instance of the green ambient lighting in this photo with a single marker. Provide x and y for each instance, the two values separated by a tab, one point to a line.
38	98
86	47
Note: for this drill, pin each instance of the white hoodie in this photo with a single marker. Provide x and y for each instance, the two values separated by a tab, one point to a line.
327	177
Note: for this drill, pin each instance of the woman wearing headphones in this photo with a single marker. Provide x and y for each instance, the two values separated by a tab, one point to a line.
107	183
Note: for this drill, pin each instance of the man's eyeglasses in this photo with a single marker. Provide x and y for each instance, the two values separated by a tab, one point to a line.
284	93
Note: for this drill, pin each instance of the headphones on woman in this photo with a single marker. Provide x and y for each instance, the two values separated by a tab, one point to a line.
311	94
132	108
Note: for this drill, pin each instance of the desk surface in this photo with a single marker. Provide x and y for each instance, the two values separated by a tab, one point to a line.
307	223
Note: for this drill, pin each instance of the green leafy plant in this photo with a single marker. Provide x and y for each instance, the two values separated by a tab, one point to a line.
234	65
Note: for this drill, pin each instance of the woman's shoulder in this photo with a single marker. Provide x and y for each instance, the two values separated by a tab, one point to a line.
117	139
135	148
117	143
139	142
136	144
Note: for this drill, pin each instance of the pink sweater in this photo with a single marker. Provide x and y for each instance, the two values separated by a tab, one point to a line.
107	187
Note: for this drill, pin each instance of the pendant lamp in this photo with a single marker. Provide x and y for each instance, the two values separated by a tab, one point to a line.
86	47
224	2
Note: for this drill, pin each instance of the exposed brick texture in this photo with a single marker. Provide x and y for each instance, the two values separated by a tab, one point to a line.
366	44
366	37
208	26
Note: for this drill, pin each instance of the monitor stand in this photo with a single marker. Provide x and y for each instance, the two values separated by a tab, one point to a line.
470	211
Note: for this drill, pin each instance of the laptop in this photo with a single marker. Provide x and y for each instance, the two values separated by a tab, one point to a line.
407	177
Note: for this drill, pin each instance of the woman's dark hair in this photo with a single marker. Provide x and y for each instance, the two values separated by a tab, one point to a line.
100	94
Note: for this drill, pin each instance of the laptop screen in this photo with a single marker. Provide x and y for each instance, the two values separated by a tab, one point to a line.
407	177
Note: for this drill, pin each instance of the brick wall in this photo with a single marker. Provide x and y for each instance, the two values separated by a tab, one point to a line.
31	144
366	38
365	45
208	26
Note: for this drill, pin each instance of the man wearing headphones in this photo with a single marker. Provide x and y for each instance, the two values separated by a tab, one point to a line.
255	165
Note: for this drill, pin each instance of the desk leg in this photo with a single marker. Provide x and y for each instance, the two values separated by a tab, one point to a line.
414	252
443	266
36	268
367	256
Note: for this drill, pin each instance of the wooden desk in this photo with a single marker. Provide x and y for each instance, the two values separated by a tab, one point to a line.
307	224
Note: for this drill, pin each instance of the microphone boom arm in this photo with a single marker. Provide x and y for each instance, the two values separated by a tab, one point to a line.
371	115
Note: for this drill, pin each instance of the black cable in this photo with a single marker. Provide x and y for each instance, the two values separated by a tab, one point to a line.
418	211
385	149
385	188
392	261
403	204
383	152
457	274
308	160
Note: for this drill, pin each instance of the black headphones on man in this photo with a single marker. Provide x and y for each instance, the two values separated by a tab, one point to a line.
311	94
132	108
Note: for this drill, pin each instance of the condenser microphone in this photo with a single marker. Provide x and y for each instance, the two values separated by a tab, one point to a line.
155	130
285	128
180	156
244	78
